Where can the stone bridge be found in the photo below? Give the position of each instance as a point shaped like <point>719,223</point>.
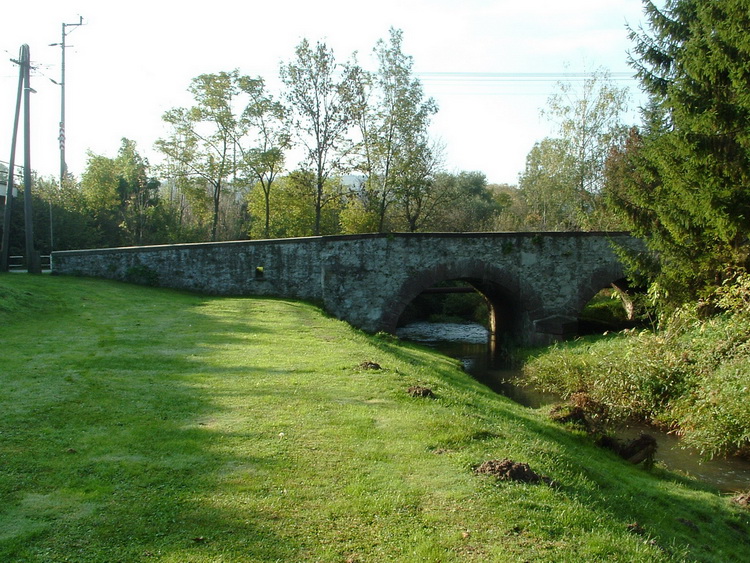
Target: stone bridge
<point>535,284</point>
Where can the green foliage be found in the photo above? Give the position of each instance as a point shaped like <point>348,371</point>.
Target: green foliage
<point>356,218</point>
<point>121,197</point>
<point>264,159</point>
<point>451,307</point>
<point>293,200</point>
<point>562,181</point>
<point>203,145</point>
<point>690,376</point>
<point>512,208</point>
<point>317,94</point>
<point>549,189</point>
<point>72,222</point>
<point>393,117</point>
<point>589,121</point>
<point>734,294</point>
<point>116,203</point>
<point>682,182</point>
<point>467,203</point>
<point>715,418</point>
<point>606,309</point>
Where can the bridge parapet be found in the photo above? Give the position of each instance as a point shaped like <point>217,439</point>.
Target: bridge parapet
<point>536,283</point>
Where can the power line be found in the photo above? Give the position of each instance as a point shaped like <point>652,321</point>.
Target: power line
<point>513,77</point>
<point>527,84</point>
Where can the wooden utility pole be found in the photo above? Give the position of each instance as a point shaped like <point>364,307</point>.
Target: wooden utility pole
<point>5,252</point>
<point>33,264</point>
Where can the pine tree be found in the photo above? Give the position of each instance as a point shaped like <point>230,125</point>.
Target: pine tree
<point>683,182</point>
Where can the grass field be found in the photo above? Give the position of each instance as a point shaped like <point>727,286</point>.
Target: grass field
<point>140,424</point>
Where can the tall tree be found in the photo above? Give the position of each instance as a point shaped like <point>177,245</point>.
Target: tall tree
<point>590,120</point>
<point>684,180</point>
<point>550,188</point>
<point>264,158</point>
<point>100,187</point>
<point>316,89</point>
<point>563,178</point>
<point>393,116</point>
<point>186,201</point>
<point>138,191</point>
<point>204,137</point>
<point>120,195</point>
<point>418,196</point>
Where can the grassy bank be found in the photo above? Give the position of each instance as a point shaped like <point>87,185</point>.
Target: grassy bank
<point>692,377</point>
<point>149,425</point>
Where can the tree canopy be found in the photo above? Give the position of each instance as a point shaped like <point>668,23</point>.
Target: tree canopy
<point>564,175</point>
<point>367,161</point>
<point>317,94</point>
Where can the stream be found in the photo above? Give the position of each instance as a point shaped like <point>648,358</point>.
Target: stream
<point>469,343</point>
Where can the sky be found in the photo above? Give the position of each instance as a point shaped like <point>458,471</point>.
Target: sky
<point>491,65</point>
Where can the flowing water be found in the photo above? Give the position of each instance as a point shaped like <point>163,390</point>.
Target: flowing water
<point>469,343</point>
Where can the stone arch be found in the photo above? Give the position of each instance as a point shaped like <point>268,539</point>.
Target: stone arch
<point>601,278</point>
<point>597,280</point>
<point>499,287</point>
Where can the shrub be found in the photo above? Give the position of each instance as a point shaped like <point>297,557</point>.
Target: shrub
<point>690,376</point>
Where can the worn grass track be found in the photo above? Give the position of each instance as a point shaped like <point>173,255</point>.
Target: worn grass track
<point>150,425</point>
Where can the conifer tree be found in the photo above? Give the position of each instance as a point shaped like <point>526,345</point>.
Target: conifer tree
<point>683,181</point>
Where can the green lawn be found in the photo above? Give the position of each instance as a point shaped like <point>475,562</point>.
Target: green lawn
<point>141,424</point>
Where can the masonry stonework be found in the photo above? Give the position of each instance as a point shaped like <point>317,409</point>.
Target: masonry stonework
<point>535,283</point>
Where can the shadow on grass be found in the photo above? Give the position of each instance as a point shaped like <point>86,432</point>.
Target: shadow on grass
<point>108,448</point>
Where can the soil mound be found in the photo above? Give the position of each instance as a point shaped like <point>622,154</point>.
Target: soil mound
<point>509,470</point>
<point>743,499</point>
<point>417,391</point>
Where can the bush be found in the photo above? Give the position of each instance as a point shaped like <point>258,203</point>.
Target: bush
<point>715,419</point>
<point>690,376</point>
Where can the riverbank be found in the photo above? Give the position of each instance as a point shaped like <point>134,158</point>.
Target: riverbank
<point>470,344</point>
<point>143,424</point>
<point>690,378</point>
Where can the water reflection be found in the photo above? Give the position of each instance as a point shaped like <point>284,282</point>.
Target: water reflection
<point>469,343</point>
<point>469,333</point>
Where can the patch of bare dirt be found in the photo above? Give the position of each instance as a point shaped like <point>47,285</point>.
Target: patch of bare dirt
<point>509,470</point>
<point>419,391</point>
<point>640,450</point>
<point>743,499</point>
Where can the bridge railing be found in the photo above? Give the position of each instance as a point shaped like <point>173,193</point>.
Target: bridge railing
<point>17,263</point>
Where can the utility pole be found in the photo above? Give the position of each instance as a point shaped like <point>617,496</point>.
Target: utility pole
<point>24,93</point>
<point>65,32</point>
<point>33,264</point>
<point>5,252</point>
